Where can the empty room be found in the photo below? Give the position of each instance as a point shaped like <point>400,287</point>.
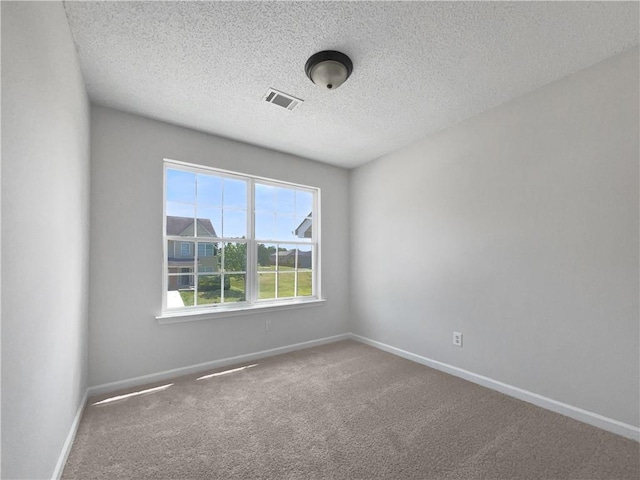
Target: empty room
<point>320,240</point>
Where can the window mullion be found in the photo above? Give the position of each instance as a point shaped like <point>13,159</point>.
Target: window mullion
<point>224,267</point>
<point>295,273</point>
<point>316,288</point>
<point>275,295</point>
<point>165,249</point>
<point>195,273</point>
<point>252,246</point>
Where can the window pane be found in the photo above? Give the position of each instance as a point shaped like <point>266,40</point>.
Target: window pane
<point>209,254</point>
<point>304,228</point>
<point>181,186</point>
<point>289,227</point>
<point>304,204</point>
<point>235,288</point>
<point>179,291</point>
<point>235,194</point>
<point>209,190</point>
<point>278,257</point>
<point>286,284</point>
<point>265,198</point>
<point>304,285</point>
<point>283,213</point>
<point>180,202</point>
<point>266,256</point>
<point>209,221</point>
<point>266,285</point>
<point>205,249</point>
<point>305,257</point>
<point>265,226</point>
<point>235,224</point>
<point>209,289</point>
<point>235,257</point>
<point>286,200</point>
<point>284,227</point>
<point>180,219</point>
<point>286,257</point>
<point>179,255</point>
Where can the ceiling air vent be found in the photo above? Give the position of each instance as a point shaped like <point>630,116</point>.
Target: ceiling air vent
<point>282,99</point>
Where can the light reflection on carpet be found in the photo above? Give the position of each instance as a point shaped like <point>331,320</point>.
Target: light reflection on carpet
<point>133,394</point>
<point>227,372</point>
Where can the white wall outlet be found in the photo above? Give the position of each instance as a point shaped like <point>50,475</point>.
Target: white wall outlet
<point>457,339</point>
<point>267,325</point>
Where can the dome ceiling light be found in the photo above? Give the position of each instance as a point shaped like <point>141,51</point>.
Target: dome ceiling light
<point>328,69</point>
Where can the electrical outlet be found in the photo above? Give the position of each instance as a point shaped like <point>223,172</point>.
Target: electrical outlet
<point>267,325</point>
<point>457,339</point>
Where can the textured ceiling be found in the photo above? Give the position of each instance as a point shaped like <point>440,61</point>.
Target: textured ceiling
<point>418,66</point>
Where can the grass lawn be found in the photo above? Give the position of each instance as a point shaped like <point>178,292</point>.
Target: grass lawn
<point>286,282</point>
<point>286,278</point>
<point>236,293</point>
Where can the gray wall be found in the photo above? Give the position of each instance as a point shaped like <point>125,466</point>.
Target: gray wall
<point>126,341</point>
<point>45,196</point>
<point>518,228</point>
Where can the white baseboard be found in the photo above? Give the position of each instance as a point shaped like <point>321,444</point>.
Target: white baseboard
<point>66,448</point>
<point>223,362</point>
<point>597,420</point>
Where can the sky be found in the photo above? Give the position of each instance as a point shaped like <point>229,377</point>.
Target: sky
<point>279,210</point>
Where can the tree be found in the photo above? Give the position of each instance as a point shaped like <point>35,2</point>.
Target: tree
<point>235,257</point>
<point>264,254</point>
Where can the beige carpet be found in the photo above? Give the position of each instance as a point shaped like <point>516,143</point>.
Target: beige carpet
<point>340,411</point>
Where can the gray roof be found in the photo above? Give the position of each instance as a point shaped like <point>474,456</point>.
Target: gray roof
<point>177,225</point>
<point>286,253</point>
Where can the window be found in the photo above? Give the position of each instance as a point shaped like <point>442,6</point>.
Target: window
<point>185,279</point>
<point>234,241</point>
<point>205,250</point>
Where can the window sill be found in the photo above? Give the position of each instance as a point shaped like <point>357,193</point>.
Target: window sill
<point>197,315</point>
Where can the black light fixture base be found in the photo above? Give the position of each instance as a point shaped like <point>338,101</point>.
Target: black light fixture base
<point>328,55</point>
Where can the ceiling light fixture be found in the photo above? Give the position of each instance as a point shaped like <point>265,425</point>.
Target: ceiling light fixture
<point>328,69</point>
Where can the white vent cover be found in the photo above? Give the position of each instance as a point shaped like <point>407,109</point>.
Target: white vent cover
<point>282,99</point>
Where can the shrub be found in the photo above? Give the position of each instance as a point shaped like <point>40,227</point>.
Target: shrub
<point>212,283</point>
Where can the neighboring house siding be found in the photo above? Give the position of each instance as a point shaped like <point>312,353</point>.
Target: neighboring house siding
<point>181,261</point>
<point>288,259</point>
<point>304,260</point>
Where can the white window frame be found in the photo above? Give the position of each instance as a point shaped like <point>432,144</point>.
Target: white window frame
<point>252,303</point>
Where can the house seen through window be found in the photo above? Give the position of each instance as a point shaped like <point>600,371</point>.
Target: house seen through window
<point>232,239</point>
